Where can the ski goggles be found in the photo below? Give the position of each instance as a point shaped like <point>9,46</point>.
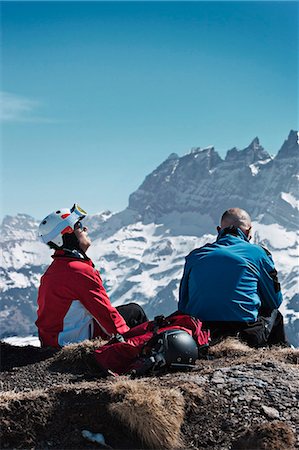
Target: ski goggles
<point>78,210</point>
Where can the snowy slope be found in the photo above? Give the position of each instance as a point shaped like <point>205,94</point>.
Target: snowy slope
<point>22,341</point>
<point>140,251</point>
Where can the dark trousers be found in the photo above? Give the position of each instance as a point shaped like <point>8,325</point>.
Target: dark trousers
<point>267,330</point>
<point>133,314</point>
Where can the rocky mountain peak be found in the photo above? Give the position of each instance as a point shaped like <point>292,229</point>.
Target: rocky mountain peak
<point>249,155</point>
<point>290,147</point>
<point>202,181</point>
<point>205,151</point>
<point>207,158</point>
<point>255,144</point>
<point>172,156</point>
<point>165,189</point>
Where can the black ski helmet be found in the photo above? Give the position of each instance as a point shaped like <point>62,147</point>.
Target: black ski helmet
<point>177,348</point>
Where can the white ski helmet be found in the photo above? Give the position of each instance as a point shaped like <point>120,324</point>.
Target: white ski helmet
<point>58,223</point>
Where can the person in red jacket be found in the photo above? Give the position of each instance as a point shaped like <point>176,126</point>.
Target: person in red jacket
<point>72,302</point>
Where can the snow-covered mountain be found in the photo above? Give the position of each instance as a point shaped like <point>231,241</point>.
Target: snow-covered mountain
<point>140,251</point>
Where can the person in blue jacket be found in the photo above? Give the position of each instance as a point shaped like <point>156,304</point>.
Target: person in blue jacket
<point>231,285</point>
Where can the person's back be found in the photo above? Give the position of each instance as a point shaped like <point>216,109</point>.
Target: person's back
<point>66,312</point>
<point>224,280</point>
<point>232,285</point>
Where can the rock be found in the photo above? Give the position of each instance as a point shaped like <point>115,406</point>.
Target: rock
<point>218,380</point>
<point>270,412</point>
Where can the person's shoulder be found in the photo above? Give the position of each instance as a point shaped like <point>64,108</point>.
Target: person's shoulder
<point>267,251</point>
<point>80,265</point>
<point>84,271</point>
<point>260,251</point>
<point>200,250</point>
<point>74,266</point>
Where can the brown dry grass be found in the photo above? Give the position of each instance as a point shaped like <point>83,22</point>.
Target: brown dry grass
<point>233,348</point>
<point>6,398</point>
<point>155,415</point>
<point>287,355</point>
<point>230,347</point>
<point>72,355</point>
<point>274,435</point>
<point>192,389</point>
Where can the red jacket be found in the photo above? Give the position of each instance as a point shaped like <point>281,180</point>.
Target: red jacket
<point>73,304</point>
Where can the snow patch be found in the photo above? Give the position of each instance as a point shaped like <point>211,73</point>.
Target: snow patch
<point>255,167</point>
<point>21,341</point>
<point>19,279</point>
<point>173,170</point>
<point>25,253</point>
<point>289,198</point>
<point>275,235</point>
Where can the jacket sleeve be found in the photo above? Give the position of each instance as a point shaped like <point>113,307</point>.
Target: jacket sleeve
<point>269,286</point>
<point>94,298</point>
<point>184,289</point>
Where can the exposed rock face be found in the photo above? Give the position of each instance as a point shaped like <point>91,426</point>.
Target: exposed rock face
<point>240,399</point>
<point>250,155</point>
<point>140,251</point>
<point>202,183</point>
<point>289,148</point>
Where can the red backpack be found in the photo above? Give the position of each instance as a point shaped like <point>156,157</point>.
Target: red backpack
<point>137,351</point>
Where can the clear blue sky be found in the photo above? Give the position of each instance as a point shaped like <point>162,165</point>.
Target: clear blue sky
<point>97,94</point>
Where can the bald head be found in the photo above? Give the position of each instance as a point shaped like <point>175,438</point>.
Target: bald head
<point>237,217</point>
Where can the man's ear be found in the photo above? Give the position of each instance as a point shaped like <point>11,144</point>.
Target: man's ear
<point>248,233</point>
<point>218,229</point>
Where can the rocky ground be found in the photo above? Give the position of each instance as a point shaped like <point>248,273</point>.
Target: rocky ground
<point>239,398</point>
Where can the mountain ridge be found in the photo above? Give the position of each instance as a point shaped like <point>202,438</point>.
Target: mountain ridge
<point>187,183</point>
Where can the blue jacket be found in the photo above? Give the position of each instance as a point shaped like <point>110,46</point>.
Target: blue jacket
<point>229,280</point>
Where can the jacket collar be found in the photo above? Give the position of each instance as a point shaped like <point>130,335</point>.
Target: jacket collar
<point>233,231</point>
<point>66,253</point>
